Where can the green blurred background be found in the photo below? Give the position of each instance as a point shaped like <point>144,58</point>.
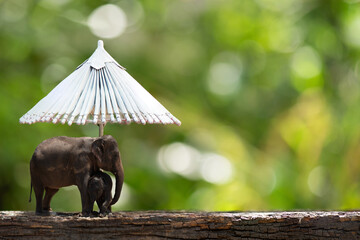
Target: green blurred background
<point>268,93</point>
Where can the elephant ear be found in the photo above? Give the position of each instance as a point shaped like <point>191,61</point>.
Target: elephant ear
<point>97,148</point>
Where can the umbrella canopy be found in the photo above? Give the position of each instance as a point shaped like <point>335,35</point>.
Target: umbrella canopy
<point>99,91</point>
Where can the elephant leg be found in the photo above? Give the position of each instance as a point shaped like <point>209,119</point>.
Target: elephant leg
<point>92,205</point>
<point>107,202</point>
<point>82,185</point>
<point>48,196</point>
<point>39,192</point>
<point>104,203</point>
<point>92,199</point>
<point>100,204</point>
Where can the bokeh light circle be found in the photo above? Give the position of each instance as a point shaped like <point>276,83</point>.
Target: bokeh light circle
<point>107,21</point>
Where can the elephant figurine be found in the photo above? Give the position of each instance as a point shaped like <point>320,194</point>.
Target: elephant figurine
<point>99,190</point>
<point>63,161</point>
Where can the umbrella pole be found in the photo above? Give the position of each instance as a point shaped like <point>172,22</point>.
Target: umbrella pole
<point>101,129</point>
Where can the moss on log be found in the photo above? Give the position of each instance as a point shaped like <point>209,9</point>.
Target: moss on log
<point>183,225</point>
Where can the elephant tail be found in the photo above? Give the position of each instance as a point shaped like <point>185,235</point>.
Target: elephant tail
<point>30,191</point>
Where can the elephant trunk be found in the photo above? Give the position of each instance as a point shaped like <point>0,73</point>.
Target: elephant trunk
<point>119,176</point>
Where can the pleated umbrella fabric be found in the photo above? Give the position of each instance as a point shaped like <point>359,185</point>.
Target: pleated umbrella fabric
<point>99,91</point>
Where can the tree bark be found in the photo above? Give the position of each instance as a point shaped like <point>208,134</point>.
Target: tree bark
<point>183,225</point>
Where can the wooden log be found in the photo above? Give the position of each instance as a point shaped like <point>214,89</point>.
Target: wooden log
<point>183,225</point>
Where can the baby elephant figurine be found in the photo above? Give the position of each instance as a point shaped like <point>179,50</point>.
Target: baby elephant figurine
<point>99,190</point>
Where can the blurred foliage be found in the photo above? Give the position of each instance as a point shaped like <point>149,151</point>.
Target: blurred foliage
<point>267,92</point>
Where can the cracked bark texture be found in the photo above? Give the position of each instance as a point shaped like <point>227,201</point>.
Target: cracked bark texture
<point>183,225</point>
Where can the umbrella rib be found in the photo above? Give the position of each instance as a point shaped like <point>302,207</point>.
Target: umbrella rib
<point>97,99</point>
<point>71,104</point>
<point>112,95</point>
<point>135,111</point>
<point>122,98</point>
<point>102,99</point>
<point>47,102</point>
<point>139,105</point>
<point>79,102</point>
<point>109,107</point>
<point>158,110</point>
<point>143,107</point>
<point>87,101</point>
<point>155,106</point>
<point>69,95</point>
<point>162,113</point>
<point>149,99</point>
<point>117,96</point>
<point>91,103</point>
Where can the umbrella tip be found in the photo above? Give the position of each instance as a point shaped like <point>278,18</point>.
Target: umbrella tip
<point>101,44</point>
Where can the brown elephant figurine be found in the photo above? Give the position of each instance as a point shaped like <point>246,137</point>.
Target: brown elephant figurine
<point>63,161</point>
<point>99,190</point>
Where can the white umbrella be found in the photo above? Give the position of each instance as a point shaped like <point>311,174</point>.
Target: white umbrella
<point>99,91</point>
